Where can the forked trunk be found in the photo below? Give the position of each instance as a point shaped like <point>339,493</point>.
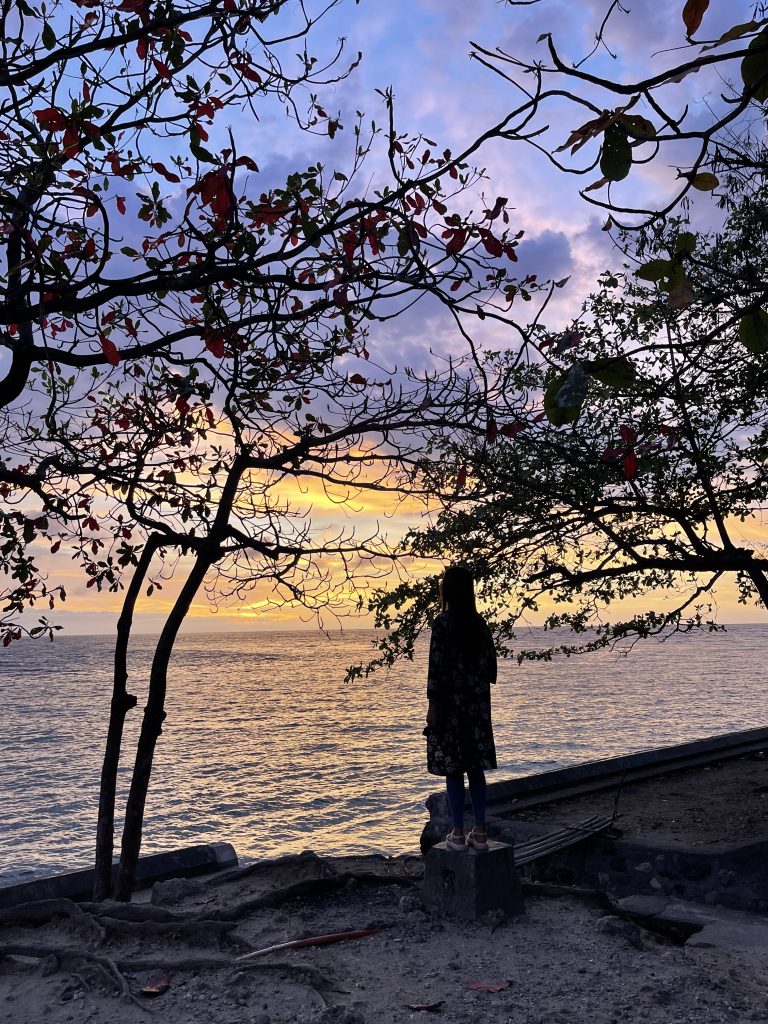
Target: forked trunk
<point>122,703</point>
<point>151,727</point>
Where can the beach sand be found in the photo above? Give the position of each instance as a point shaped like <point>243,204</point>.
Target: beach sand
<point>565,961</point>
<point>568,960</point>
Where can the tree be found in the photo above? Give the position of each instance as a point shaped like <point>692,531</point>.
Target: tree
<point>181,379</point>
<point>622,465</point>
<point>211,256</point>
<point>630,124</point>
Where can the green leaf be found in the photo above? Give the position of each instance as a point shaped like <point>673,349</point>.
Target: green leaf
<point>638,127</point>
<point>404,242</point>
<point>557,414</point>
<point>754,67</point>
<point>615,372</point>
<point>753,332</point>
<point>685,242</point>
<point>616,154</point>
<point>48,36</point>
<point>654,270</point>
<point>705,181</point>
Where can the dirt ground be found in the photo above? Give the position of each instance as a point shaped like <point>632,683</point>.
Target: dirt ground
<point>721,803</point>
<point>565,961</point>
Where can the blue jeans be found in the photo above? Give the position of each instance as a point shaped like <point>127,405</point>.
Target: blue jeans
<point>454,785</point>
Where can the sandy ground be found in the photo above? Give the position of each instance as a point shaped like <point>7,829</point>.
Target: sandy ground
<point>564,962</point>
<point>721,803</point>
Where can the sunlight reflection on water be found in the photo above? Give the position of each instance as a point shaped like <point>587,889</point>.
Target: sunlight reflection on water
<point>267,748</point>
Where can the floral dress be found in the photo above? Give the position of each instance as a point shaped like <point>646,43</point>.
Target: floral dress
<point>461,690</point>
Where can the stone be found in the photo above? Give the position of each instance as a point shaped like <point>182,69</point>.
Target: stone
<point>628,930</point>
<point>470,884</point>
<point>174,890</point>
<point>646,867</point>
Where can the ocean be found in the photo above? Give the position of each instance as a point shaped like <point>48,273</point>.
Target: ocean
<point>267,748</point>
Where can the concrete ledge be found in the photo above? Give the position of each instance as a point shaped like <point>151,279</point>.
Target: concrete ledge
<point>471,884</point>
<point>78,885</point>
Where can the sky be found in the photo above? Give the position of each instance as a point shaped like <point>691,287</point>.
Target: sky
<point>421,48</point>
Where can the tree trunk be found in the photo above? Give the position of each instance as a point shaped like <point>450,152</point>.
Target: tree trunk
<point>152,726</point>
<point>122,703</point>
<point>761,584</point>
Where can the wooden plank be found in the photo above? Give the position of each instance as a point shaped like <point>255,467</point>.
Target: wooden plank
<point>560,840</point>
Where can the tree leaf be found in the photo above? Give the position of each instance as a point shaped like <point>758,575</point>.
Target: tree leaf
<point>48,37</point>
<point>616,154</point>
<point>693,12</point>
<point>638,127</point>
<point>654,270</point>
<point>754,67</point>
<point>685,242</point>
<point>705,181</point>
<point>753,332</point>
<point>615,372</point>
<point>734,33</point>
<point>558,415</point>
<point>629,462</point>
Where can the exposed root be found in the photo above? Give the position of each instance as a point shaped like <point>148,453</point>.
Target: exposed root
<point>308,887</point>
<point>41,911</point>
<point>74,956</point>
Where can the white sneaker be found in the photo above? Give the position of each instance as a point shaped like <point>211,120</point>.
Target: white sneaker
<point>455,844</point>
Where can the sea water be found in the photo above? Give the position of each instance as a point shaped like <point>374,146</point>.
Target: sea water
<point>266,747</point>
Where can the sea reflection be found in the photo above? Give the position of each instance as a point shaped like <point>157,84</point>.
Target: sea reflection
<point>267,748</point>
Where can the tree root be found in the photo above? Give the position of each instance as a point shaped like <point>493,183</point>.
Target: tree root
<point>97,919</point>
<point>41,911</point>
<point>73,956</point>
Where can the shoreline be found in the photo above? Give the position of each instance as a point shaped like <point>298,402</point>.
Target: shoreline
<point>565,961</point>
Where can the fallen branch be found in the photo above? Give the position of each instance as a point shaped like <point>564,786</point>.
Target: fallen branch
<point>314,940</point>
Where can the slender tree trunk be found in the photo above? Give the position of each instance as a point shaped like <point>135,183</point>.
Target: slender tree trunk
<point>761,583</point>
<point>152,726</point>
<point>122,703</point>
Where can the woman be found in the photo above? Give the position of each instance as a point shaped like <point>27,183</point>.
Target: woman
<point>462,666</point>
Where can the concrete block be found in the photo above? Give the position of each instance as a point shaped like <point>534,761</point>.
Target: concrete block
<point>471,884</point>
<point>78,885</point>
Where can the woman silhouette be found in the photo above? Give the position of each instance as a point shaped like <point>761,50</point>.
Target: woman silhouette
<point>462,666</point>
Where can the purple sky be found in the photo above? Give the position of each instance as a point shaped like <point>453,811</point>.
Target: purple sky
<point>421,48</point>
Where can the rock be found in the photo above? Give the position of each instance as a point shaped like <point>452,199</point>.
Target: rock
<point>410,901</point>
<point>339,1015</point>
<point>261,1018</point>
<point>628,930</point>
<point>175,889</point>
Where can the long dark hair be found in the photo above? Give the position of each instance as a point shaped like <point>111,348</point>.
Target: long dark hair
<point>458,600</point>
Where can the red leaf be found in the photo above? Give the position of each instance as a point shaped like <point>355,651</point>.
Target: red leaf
<point>121,204</point>
<point>357,378</point>
<point>161,69</point>
<point>214,342</point>
<point>109,349</point>
<point>693,12</point>
<point>627,434</point>
<point>489,986</point>
<point>142,46</point>
<point>55,546</point>
<point>456,242</point>
<point>168,175</point>
<point>630,466</point>
<point>52,119</point>
<point>512,429</point>
<point>461,478</point>
<point>247,72</point>
<point>492,245</point>
<point>491,431</point>
<point>71,140</point>
<point>246,161</point>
